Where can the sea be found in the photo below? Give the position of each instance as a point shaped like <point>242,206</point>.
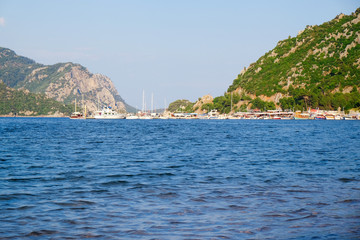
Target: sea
<point>179,179</point>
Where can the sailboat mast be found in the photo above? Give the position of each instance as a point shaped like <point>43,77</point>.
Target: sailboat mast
<point>98,108</point>
<point>143,102</point>
<point>152,102</point>
<point>75,104</point>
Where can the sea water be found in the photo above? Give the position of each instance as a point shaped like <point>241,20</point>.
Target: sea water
<point>179,179</point>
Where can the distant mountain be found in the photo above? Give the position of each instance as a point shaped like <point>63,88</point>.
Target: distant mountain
<point>318,68</point>
<point>63,82</point>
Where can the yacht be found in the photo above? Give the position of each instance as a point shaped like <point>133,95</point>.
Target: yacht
<point>132,117</point>
<point>108,113</point>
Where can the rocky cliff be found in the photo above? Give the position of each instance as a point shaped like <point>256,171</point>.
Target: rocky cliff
<point>63,82</point>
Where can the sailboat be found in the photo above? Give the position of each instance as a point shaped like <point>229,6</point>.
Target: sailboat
<point>76,114</point>
<point>163,116</point>
<point>144,114</point>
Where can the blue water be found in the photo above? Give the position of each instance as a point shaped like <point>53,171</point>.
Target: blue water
<point>179,179</point>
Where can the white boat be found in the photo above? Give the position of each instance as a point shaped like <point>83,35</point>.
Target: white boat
<point>330,117</point>
<point>132,117</point>
<point>146,117</point>
<point>213,114</point>
<point>108,113</point>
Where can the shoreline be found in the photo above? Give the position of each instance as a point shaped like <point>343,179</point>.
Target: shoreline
<point>172,118</point>
<point>40,116</point>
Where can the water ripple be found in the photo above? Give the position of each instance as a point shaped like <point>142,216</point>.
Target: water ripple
<point>63,179</point>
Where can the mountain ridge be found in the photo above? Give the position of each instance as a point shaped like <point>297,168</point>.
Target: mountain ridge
<point>63,82</point>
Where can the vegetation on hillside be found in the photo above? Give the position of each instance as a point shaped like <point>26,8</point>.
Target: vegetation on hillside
<point>21,72</point>
<point>18,102</point>
<point>14,68</point>
<point>181,105</point>
<point>320,68</point>
<point>224,104</point>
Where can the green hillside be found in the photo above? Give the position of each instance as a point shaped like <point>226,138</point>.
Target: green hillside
<point>14,68</point>
<point>23,103</point>
<point>21,72</point>
<point>319,68</point>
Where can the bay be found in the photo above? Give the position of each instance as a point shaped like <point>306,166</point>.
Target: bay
<point>179,179</point>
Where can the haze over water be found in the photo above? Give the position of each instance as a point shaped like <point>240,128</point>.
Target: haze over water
<point>179,179</point>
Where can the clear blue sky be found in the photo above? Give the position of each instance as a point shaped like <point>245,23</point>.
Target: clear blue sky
<point>173,49</point>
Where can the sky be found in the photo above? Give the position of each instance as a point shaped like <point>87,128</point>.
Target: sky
<point>171,49</point>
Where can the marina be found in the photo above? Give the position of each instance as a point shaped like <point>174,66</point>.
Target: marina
<point>312,114</point>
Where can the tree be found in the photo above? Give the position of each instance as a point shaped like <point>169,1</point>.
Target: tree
<point>262,105</point>
<point>180,105</point>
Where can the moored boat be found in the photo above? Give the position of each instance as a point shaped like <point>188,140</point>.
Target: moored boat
<point>301,116</point>
<point>132,117</point>
<point>108,113</point>
<point>330,117</point>
<point>76,114</point>
<point>349,118</point>
<point>320,117</point>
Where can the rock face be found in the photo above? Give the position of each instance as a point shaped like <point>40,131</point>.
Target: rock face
<point>74,81</point>
<point>204,100</point>
<point>63,82</point>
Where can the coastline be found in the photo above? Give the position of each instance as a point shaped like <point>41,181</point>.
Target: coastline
<point>39,116</point>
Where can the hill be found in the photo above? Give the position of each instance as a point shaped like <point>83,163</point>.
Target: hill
<point>23,103</point>
<point>63,82</point>
<point>319,68</point>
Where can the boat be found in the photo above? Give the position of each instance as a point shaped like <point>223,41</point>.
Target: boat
<point>132,117</point>
<point>213,114</point>
<point>146,117</point>
<point>347,117</point>
<point>76,114</point>
<point>108,113</point>
<point>330,117</point>
<point>301,116</point>
<point>320,117</point>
